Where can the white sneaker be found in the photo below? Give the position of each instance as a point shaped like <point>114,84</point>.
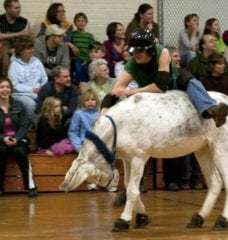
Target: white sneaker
<point>112,189</point>
<point>92,186</point>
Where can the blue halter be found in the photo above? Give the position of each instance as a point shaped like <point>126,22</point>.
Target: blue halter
<point>101,146</point>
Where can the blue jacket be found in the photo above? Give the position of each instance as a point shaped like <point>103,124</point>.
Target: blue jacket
<point>81,121</point>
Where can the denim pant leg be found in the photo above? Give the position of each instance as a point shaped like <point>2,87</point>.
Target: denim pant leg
<point>20,152</point>
<point>3,157</point>
<point>170,170</point>
<point>199,96</point>
<point>76,69</point>
<point>188,56</point>
<point>185,167</point>
<point>30,105</point>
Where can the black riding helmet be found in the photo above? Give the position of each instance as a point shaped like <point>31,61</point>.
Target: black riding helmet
<point>141,40</point>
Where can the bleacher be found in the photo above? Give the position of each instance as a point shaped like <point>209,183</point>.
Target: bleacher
<point>49,171</point>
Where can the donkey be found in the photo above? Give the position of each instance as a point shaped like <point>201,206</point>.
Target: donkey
<point>164,125</point>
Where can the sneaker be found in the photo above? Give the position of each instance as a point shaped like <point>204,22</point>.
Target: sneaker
<point>92,186</point>
<point>32,192</point>
<point>171,187</point>
<point>196,183</point>
<point>184,185</point>
<point>112,189</point>
<point>142,188</point>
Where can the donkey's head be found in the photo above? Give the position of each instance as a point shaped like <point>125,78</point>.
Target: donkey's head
<point>91,166</point>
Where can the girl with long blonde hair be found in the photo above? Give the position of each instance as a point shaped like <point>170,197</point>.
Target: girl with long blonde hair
<point>51,136</point>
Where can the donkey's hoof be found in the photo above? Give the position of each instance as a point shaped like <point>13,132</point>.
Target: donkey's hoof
<point>220,224</point>
<point>120,225</point>
<point>141,220</point>
<point>196,221</point>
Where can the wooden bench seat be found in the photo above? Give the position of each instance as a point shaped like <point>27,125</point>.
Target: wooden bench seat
<point>49,172</point>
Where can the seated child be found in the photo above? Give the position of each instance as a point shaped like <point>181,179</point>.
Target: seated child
<point>83,120</point>
<point>96,51</point>
<point>51,136</point>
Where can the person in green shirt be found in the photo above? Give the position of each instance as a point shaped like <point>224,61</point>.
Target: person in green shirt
<point>152,69</point>
<point>81,39</point>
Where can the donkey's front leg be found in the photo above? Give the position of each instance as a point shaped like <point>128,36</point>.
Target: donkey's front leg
<point>133,196</point>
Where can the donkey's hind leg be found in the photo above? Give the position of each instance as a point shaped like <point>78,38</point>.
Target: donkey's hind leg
<point>214,184</point>
<point>222,164</point>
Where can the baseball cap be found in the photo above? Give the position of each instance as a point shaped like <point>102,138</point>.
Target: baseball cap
<point>54,29</point>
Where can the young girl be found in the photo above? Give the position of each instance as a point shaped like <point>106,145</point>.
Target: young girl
<point>212,27</point>
<point>83,120</point>
<point>51,137</point>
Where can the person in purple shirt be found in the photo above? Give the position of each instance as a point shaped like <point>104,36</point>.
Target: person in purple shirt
<point>114,45</point>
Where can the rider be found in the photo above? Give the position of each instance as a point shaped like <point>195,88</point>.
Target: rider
<point>151,67</point>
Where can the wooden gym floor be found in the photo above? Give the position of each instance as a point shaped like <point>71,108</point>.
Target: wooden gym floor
<point>89,215</point>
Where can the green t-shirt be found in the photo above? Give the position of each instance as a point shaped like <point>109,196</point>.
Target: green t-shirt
<point>143,78</point>
<point>220,45</point>
<point>82,40</point>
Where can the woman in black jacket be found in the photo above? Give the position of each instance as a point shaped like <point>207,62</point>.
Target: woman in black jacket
<point>13,141</point>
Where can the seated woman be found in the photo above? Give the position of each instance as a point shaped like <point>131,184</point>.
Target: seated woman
<point>100,80</point>
<point>144,18</point>
<point>56,15</point>
<point>114,45</point>
<point>189,38</point>
<point>212,27</point>
<point>27,74</point>
<point>216,80</point>
<point>51,135</point>
<point>13,124</point>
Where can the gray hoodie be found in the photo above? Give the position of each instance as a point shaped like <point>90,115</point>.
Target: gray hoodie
<point>40,51</point>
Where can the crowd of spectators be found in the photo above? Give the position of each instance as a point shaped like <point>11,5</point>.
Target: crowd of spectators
<point>49,74</point>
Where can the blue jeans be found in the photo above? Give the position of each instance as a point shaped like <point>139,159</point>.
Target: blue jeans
<point>181,169</point>
<point>176,169</point>
<point>199,96</point>
<point>187,57</point>
<point>29,104</point>
<point>76,66</point>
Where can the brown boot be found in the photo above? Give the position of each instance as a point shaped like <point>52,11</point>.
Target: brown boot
<point>218,113</point>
